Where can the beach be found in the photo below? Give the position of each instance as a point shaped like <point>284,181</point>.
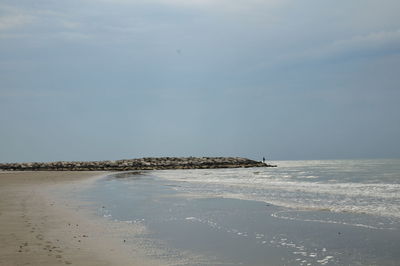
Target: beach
<point>36,229</point>
<point>301,213</point>
<point>332,212</point>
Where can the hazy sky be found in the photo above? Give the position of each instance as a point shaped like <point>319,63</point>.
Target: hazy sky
<point>284,79</point>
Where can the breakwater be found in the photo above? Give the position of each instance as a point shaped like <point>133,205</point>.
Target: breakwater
<point>137,164</point>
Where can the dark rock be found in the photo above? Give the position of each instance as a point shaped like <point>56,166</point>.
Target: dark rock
<point>138,164</point>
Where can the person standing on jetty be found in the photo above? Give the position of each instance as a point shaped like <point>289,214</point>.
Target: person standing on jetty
<point>263,160</point>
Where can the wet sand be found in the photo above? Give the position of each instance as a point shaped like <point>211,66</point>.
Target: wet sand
<point>36,229</point>
<point>206,229</point>
<point>80,218</point>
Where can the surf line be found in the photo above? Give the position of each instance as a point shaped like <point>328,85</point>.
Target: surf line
<point>279,216</point>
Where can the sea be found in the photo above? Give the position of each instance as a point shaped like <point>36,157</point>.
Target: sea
<point>313,212</point>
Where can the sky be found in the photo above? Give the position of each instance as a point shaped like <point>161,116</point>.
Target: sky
<point>114,79</point>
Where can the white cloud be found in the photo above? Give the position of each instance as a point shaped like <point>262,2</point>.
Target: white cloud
<point>73,36</point>
<point>71,24</point>
<point>9,36</point>
<point>358,46</point>
<point>226,6</point>
<point>22,22</point>
<point>361,44</point>
<point>13,21</point>
<point>205,5</point>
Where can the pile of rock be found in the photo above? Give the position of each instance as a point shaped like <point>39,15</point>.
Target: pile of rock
<point>138,164</point>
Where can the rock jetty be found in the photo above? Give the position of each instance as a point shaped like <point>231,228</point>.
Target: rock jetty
<point>137,164</point>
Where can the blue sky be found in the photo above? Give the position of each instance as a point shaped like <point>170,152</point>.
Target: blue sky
<point>284,79</point>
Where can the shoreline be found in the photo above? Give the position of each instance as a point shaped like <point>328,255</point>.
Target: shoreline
<point>220,229</point>
<point>40,228</point>
<point>109,218</point>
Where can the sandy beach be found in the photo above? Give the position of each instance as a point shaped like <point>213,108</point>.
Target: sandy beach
<point>36,229</point>
<point>203,217</point>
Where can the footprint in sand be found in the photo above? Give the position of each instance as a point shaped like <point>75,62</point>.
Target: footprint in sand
<point>39,236</point>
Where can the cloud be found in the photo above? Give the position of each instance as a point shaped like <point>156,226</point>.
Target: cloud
<point>73,36</point>
<point>357,47</point>
<point>72,25</point>
<point>361,45</point>
<point>224,6</point>
<point>197,2</point>
<point>13,21</point>
<point>40,23</point>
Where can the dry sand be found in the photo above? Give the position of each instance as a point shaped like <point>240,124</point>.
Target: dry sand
<point>38,229</point>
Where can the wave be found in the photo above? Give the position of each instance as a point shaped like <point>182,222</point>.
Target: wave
<point>308,192</point>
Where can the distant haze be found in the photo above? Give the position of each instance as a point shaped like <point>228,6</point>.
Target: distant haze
<point>284,79</point>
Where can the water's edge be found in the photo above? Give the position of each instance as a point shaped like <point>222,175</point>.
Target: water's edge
<point>188,222</point>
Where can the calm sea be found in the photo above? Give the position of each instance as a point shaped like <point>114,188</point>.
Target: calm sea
<point>329,212</point>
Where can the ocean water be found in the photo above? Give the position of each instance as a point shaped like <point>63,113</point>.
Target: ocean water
<point>330,212</point>
<point>356,186</point>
